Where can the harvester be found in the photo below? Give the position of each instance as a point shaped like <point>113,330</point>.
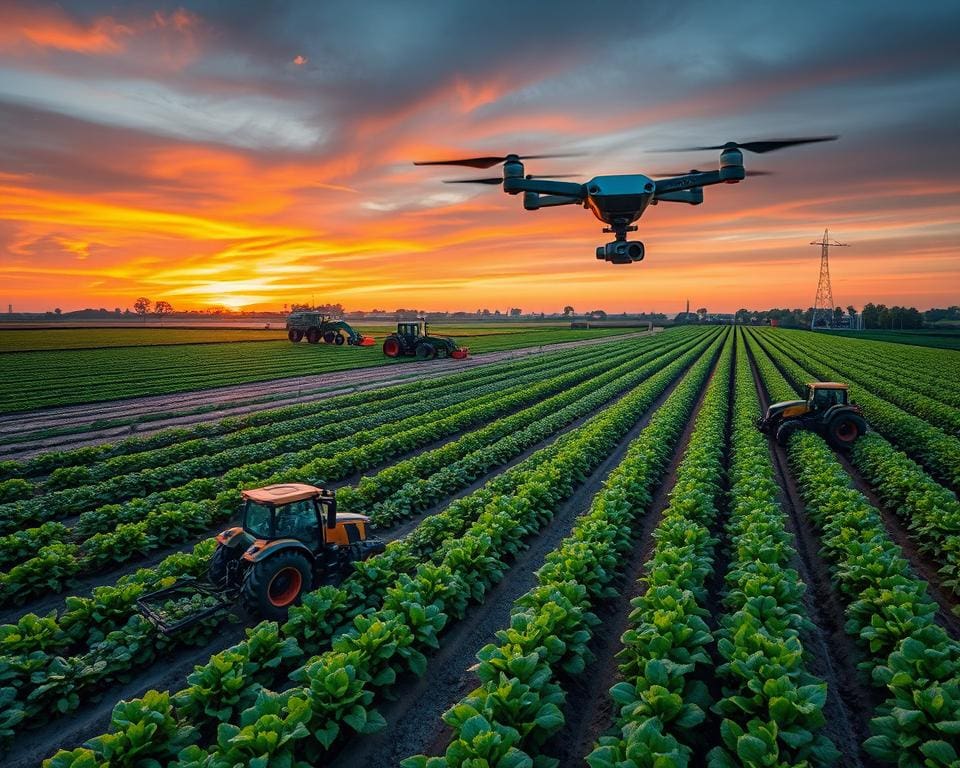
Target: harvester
<point>824,409</point>
<point>316,327</point>
<point>292,540</point>
<point>412,339</point>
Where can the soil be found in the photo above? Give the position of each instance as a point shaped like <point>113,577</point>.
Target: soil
<point>90,422</point>
<point>831,653</point>
<point>414,724</point>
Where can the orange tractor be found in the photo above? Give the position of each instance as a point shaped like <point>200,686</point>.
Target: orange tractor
<point>292,540</point>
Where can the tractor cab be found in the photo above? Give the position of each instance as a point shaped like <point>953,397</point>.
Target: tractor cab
<point>412,330</point>
<point>821,396</point>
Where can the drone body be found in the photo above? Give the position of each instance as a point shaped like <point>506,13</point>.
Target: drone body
<point>619,200</point>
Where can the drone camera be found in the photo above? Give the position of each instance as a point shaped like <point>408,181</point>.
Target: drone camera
<point>621,252</point>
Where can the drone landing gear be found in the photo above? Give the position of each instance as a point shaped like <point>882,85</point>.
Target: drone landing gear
<point>620,251</point>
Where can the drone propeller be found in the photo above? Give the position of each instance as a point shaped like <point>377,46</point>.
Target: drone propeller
<point>486,162</point>
<point>499,179</point>
<point>759,147</point>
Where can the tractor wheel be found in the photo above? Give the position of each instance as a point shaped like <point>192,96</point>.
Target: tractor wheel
<point>328,337</point>
<point>294,334</point>
<point>218,570</point>
<point>339,339</point>
<point>786,429</point>
<point>441,353</point>
<point>313,335</point>
<point>391,347</point>
<point>271,586</point>
<point>426,351</point>
<point>844,429</point>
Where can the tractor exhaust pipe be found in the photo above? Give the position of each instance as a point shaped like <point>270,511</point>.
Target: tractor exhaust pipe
<point>329,498</point>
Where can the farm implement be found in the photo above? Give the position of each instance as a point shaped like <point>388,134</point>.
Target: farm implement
<point>316,327</point>
<point>291,540</point>
<point>412,339</point>
<point>824,410</point>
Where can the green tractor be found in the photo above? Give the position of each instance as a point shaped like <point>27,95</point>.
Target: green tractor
<point>413,340</point>
<point>316,327</point>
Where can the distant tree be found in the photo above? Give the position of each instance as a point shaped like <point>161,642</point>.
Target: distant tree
<point>116,310</point>
<point>485,312</point>
<point>567,311</point>
<point>57,311</point>
<point>702,313</point>
<point>141,306</point>
<point>851,311</point>
<point>837,315</point>
<point>516,312</point>
<point>162,308</point>
<point>597,314</point>
<point>742,315</point>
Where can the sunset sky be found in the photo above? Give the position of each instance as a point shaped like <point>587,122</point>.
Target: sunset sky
<point>252,154</point>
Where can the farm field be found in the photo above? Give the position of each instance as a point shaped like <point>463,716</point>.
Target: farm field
<point>58,377</point>
<point>593,558</point>
<point>946,338</point>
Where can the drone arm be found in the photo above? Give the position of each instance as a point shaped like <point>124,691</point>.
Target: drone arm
<point>692,196</point>
<point>532,201</point>
<point>690,181</point>
<point>566,189</point>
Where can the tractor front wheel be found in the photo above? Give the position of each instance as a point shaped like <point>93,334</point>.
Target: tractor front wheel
<point>294,334</point>
<point>425,351</point>
<point>313,335</point>
<point>339,339</point>
<point>271,586</point>
<point>219,569</point>
<point>844,429</point>
<point>786,429</point>
<point>328,337</point>
<point>391,347</point>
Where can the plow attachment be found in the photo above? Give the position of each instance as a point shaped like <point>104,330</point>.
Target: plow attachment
<point>366,341</point>
<point>184,604</point>
<point>460,353</point>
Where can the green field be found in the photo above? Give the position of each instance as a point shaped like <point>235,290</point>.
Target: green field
<point>35,379</point>
<point>942,339</point>
<point>24,340</point>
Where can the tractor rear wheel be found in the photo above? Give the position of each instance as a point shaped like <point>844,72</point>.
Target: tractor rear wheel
<point>425,351</point>
<point>339,339</point>
<point>294,334</point>
<point>271,586</point>
<point>391,347</point>
<point>844,429</point>
<point>313,335</point>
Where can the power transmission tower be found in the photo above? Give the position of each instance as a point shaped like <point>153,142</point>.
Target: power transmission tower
<point>823,306</point>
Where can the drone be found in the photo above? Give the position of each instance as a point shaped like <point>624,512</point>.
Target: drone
<point>619,200</point>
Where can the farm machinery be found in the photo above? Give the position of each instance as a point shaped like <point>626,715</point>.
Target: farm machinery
<point>292,539</point>
<point>316,327</point>
<point>412,339</point>
<point>824,409</point>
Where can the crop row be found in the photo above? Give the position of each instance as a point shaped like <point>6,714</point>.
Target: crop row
<point>889,612</point>
<point>337,687</point>
<point>772,706</point>
<point>57,563</point>
<point>662,698</point>
<point>937,451</point>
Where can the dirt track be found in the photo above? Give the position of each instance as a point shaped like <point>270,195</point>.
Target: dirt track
<point>90,424</point>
